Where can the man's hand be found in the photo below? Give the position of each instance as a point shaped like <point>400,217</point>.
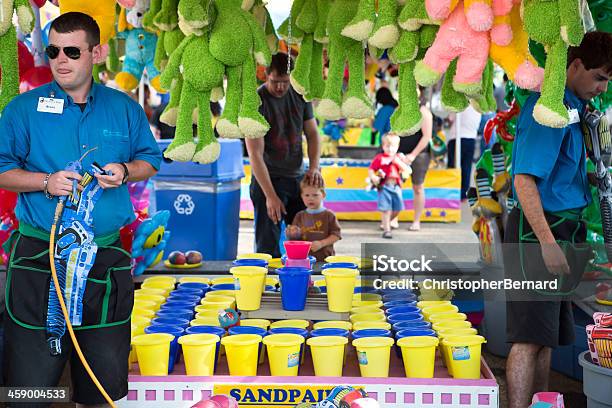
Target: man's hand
<point>113,181</point>
<point>554,259</point>
<point>60,183</point>
<point>316,245</point>
<point>313,177</point>
<point>276,208</point>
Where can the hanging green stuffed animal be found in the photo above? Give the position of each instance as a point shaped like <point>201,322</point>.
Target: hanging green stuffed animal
<point>9,62</point>
<point>237,41</point>
<point>193,16</point>
<point>261,14</point>
<point>412,45</point>
<point>355,103</point>
<point>379,27</point>
<point>556,24</point>
<point>201,73</point>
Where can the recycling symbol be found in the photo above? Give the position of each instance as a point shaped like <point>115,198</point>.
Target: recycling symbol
<point>184,205</point>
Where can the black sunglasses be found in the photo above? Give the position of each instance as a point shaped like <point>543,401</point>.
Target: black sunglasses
<point>53,51</point>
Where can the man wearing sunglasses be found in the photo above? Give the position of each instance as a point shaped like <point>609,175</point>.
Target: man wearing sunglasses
<point>41,131</point>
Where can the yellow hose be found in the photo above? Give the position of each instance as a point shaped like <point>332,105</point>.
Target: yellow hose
<point>60,296</point>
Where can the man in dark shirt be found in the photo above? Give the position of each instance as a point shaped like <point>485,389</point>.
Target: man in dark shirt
<point>277,158</point>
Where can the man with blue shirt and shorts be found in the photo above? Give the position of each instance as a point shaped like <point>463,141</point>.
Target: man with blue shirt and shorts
<point>39,138</point>
<point>544,232</point>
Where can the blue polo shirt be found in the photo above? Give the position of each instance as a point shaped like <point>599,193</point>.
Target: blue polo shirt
<point>556,158</point>
<point>45,142</point>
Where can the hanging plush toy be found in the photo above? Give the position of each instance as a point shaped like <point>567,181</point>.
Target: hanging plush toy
<point>201,72</point>
<point>455,39</point>
<point>139,48</point>
<point>307,77</point>
<point>510,46</point>
<point>103,11</point>
<point>261,14</point>
<point>412,45</point>
<point>237,41</point>
<point>8,45</point>
<point>355,103</point>
<point>556,24</point>
<point>150,239</point>
<point>478,13</point>
<point>378,27</point>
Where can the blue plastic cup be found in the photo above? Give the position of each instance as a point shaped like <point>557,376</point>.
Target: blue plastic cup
<point>270,288</point>
<point>328,331</point>
<point>183,296</point>
<point>170,321</point>
<point>411,324</point>
<point>251,262</point>
<point>189,291</point>
<point>396,303</point>
<point>178,304</point>
<point>223,286</point>
<point>411,333</point>
<point>403,295</point>
<point>364,289</point>
<point>348,265</point>
<point>402,317</point>
<point>174,346</point>
<point>176,313</point>
<point>251,330</point>
<point>293,330</point>
<point>402,309</point>
<point>294,287</point>
<point>358,334</point>
<point>219,331</point>
<point>195,285</point>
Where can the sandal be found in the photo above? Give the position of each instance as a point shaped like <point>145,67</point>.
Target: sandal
<point>387,235</point>
<point>414,227</point>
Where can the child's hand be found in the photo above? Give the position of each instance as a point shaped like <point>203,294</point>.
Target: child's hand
<point>316,245</point>
<point>375,179</point>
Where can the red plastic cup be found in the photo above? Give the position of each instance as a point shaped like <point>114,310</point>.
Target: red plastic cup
<point>297,249</point>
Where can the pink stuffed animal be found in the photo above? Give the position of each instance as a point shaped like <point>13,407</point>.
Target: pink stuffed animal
<point>478,13</point>
<point>456,39</point>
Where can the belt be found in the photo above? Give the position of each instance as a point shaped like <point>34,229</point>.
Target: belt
<point>33,232</point>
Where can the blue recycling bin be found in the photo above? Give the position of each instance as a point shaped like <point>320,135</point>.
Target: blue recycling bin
<point>204,202</point>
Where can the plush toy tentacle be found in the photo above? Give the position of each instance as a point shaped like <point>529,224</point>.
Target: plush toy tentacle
<point>208,149</point>
<point>10,67</point>
<point>356,103</point>
<point>300,77</point>
<point>172,70</point>
<point>360,27</point>
<point>161,57</point>
<point>385,33</point>
<point>307,17</point>
<point>406,120</point>
<point>169,115</point>
<point>549,110</point>
<point>183,147</point>
<point>227,125</point>
<point>485,102</point>
<point>260,45</point>
<point>252,124</point>
<point>329,107</point>
<point>572,30</point>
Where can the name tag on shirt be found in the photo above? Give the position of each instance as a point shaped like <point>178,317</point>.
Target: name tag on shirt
<point>50,105</point>
<point>574,117</point>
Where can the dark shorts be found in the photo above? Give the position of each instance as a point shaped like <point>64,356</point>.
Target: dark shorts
<point>541,318</point>
<point>104,336</point>
<point>420,165</point>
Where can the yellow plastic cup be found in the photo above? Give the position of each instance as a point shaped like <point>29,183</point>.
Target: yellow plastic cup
<point>327,355</point>
<point>252,279</point>
<point>241,351</point>
<point>141,321</point>
<point>333,324</point>
<point>229,292</point>
<point>365,309</point>
<point>361,325</point>
<point>319,282</point>
<point>439,317</point>
<point>153,351</point>
<point>367,299</point>
<point>271,280</point>
<point>170,280</point>
<point>463,331</point>
<point>145,304</point>
<point>284,353</point>
<point>463,353</point>
<point>163,285</point>
<point>199,353</point>
<point>451,324</point>
<point>262,323</point>
<point>419,355</point>
<point>223,280</point>
<point>296,323</point>
<point>215,304</point>
<point>157,299</point>
<point>428,303</point>
<point>207,313</point>
<point>343,258</point>
<point>367,317</point>
<point>205,321</point>
<point>214,297</point>
<point>197,279</point>
<point>340,284</point>
<point>256,255</point>
<point>275,263</point>
<point>150,291</point>
<point>432,310</point>
<point>143,312</point>
<point>367,303</point>
<point>373,354</point>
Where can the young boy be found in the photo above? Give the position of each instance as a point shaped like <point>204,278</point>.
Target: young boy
<point>316,223</point>
<point>390,201</point>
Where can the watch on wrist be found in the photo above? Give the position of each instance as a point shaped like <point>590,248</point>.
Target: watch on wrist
<point>46,186</point>
<point>126,173</point>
